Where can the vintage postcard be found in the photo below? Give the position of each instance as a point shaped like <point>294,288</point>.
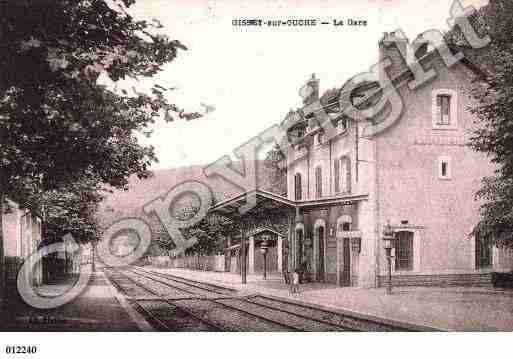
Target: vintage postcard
<point>254,166</point>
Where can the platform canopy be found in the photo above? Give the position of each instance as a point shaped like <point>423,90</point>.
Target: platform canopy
<point>271,201</point>
<point>265,201</point>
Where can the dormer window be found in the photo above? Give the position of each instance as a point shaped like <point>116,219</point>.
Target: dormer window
<point>342,125</point>
<point>445,107</point>
<point>297,132</point>
<point>319,138</point>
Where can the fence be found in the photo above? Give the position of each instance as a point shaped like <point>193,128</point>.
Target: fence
<point>207,263</point>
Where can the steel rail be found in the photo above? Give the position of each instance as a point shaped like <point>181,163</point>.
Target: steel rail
<point>215,300</point>
<point>173,304</point>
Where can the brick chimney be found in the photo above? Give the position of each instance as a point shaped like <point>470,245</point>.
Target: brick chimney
<point>394,46</point>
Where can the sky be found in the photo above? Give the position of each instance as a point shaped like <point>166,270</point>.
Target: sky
<point>252,75</point>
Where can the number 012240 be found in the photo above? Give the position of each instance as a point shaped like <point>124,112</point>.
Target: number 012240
<point>20,349</point>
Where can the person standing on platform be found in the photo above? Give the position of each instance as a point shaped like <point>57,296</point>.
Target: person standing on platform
<point>294,287</point>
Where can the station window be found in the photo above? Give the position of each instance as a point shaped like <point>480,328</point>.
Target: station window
<point>444,168</point>
<point>445,109</point>
<point>403,245</point>
<point>342,125</point>
<point>320,138</point>
<point>443,105</point>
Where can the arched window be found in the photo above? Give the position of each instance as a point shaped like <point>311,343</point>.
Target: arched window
<point>345,174</point>
<point>318,182</point>
<point>297,187</point>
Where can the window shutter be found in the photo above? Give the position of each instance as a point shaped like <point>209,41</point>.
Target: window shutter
<point>318,180</point>
<point>345,164</point>
<point>446,110</point>
<point>337,175</point>
<point>438,110</point>
<point>348,174</point>
<point>446,104</point>
<point>297,187</point>
<point>343,175</point>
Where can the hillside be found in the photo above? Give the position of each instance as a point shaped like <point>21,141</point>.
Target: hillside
<point>130,202</point>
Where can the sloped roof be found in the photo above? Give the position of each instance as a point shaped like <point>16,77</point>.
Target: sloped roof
<point>293,117</point>
<point>121,203</point>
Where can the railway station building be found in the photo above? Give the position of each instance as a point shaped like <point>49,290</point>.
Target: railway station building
<point>418,174</point>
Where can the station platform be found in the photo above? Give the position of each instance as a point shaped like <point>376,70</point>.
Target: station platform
<point>98,308</point>
<point>448,309</point>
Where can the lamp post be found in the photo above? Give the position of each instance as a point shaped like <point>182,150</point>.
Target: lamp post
<point>264,245</point>
<point>388,236</point>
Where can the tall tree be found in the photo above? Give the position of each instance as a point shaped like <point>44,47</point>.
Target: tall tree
<point>494,113</point>
<point>59,124</point>
<point>275,171</point>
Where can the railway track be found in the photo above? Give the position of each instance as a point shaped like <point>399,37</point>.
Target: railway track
<point>219,316</point>
<point>161,313</point>
<point>224,309</point>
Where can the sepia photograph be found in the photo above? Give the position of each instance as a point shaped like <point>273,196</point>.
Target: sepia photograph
<point>273,166</point>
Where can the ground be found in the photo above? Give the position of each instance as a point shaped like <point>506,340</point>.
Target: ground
<point>450,308</point>
<point>102,307</point>
<point>96,309</point>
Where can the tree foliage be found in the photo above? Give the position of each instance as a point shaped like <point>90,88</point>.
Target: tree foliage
<point>276,170</point>
<point>63,133</point>
<point>211,232</point>
<point>494,113</point>
<point>71,210</point>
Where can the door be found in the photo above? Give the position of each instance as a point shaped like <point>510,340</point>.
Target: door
<point>345,276</point>
<point>320,254</point>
